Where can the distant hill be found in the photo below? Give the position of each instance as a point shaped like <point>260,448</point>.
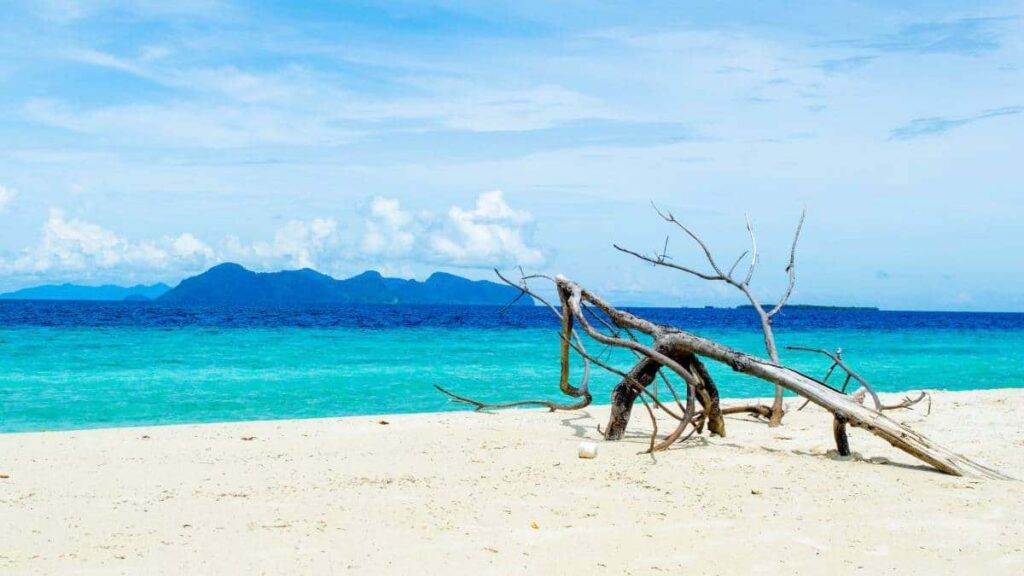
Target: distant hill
<point>233,284</point>
<point>76,292</point>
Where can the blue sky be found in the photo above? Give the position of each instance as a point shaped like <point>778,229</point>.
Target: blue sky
<point>144,141</point>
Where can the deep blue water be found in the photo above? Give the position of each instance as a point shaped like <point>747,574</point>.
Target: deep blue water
<point>157,315</point>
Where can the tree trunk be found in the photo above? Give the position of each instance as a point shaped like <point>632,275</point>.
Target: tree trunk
<point>707,395</point>
<point>778,409</point>
<point>839,431</point>
<point>643,373</point>
<point>841,405</point>
<point>624,395</point>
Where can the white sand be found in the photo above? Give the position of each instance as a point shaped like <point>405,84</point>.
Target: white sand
<point>459,493</point>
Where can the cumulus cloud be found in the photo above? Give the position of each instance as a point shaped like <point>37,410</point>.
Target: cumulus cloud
<point>389,229</point>
<point>7,196</point>
<point>491,233</point>
<point>298,244</point>
<point>73,245</point>
<point>68,244</point>
<point>188,246</point>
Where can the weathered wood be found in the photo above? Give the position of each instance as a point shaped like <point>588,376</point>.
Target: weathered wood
<point>624,396</point>
<point>670,341</point>
<point>643,374</point>
<point>680,352</point>
<point>707,395</point>
<point>777,410</point>
<point>839,432</point>
<point>896,434</point>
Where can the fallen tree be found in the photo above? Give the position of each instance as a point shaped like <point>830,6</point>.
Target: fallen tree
<point>777,410</point>
<point>659,348</point>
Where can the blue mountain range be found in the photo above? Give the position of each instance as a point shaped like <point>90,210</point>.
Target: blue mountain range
<point>233,284</point>
<point>76,292</point>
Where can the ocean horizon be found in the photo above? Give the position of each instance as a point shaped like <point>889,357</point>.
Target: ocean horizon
<point>81,365</point>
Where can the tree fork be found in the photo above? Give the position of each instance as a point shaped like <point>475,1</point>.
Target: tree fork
<point>839,404</point>
<point>644,372</point>
<point>624,396</point>
<point>671,342</point>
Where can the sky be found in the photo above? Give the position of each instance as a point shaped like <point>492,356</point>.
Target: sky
<point>146,141</point>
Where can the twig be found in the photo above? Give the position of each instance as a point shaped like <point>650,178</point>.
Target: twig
<point>837,360</point>
<point>480,406</point>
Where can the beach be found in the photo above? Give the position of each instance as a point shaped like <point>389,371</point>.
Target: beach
<point>505,493</point>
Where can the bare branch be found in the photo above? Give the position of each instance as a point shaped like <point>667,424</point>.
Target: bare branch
<point>737,263</point>
<point>898,435</point>
<point>639,387</point>
<point>681,351</point>
<point>909,402</point>
<point>480,406</point>
<point>668,217</point>
<point>828,373</point>
<point>791,267</point>
<point>568,334</point>
<point>566,327</point>
<point>837,360</point>
<point>660,261</point>
<point>755,409</point>
<point>654,424</point>
<point>753,252</point>
<point>852,412</point>
<point>621,343</point>
<point>743,285</point>
<point>685,421</point>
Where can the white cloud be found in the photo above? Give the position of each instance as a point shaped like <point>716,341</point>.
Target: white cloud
<point>492,233</point>
<point>88,249</point>
<point>75,244</point>
<point>231,106</point>
<point>389,229</point>
<point>297,245</point>
<point>105,60</point>
<point>68,244</point>
<point>188,246</point>
<point>7,196</point>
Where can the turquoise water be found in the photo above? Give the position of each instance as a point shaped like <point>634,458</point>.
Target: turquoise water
<point>65,377</point>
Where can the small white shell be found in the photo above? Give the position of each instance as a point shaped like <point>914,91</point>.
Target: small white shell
<point>588,449</point>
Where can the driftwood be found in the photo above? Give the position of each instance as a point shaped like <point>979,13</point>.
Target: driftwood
<point>777,410</point>
<point>839,423</point>
<point>670,352</point>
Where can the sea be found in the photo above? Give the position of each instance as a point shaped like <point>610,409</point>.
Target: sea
<point>80,365</point>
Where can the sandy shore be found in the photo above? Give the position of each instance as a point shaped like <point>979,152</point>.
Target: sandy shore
<point>463,493</point>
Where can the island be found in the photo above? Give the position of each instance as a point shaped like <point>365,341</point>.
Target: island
<point>107,292</point>
<point>233,284</point>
